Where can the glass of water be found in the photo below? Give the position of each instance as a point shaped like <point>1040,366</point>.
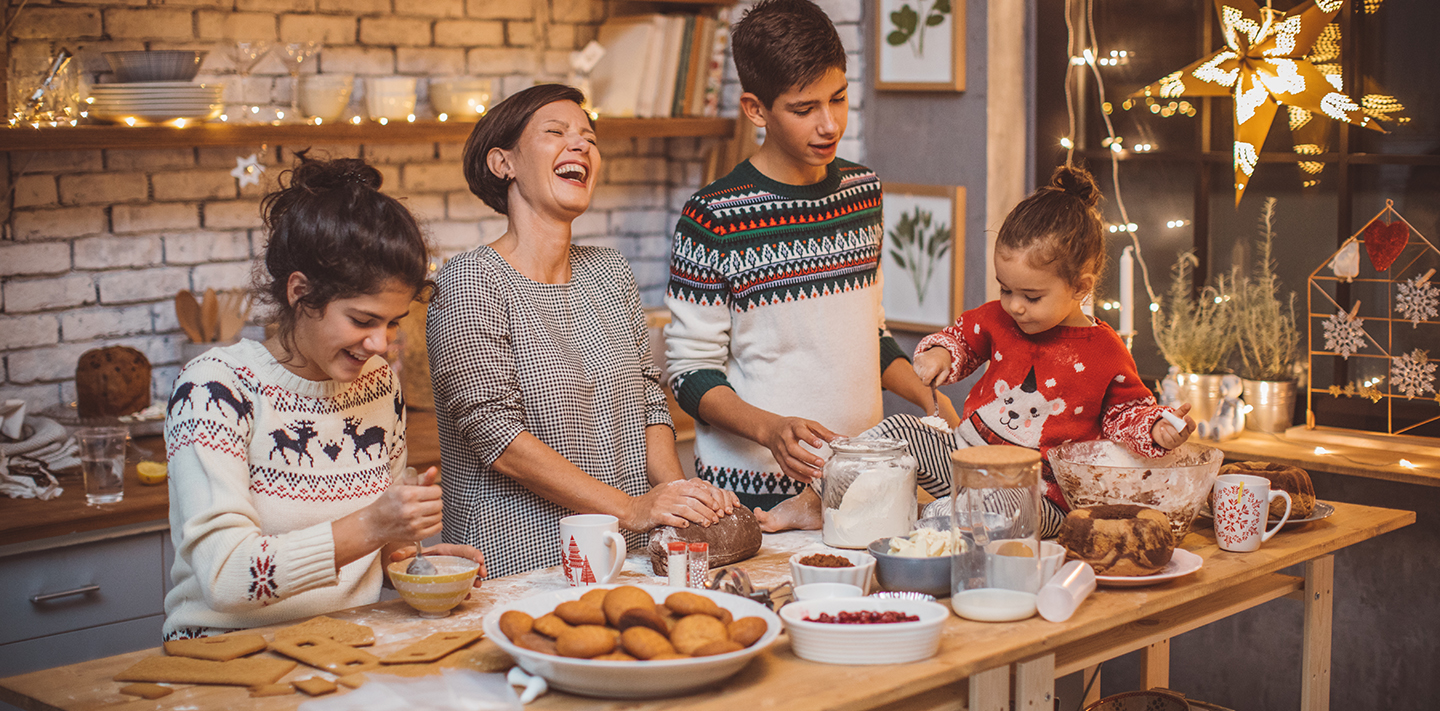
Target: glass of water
<point>102,457</point>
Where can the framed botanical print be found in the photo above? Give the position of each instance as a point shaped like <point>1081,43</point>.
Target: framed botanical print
<point>920,45</point>
<point>923,259</point>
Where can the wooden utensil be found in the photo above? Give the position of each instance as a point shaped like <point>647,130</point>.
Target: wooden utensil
<point>210,316</point>
<point>187,312</point>
<point>234,310</point>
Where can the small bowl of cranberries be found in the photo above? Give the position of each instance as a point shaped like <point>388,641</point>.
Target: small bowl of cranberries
<point>866,630</point>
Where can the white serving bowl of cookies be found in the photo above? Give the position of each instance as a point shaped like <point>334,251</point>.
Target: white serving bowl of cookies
<point>855,644</point>
<point>631,679</point>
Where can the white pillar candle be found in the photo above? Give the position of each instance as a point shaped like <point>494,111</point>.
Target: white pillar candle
<point>1127,290</point>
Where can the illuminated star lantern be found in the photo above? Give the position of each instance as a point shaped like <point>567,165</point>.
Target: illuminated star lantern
<point>1264,64</point>
<point>248,169</point>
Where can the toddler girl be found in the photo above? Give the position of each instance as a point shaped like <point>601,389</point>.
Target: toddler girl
<point>1055,374</point>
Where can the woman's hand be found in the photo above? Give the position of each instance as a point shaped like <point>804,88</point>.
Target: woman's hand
<point>933,366</point>
<point>784,436</point>
<point>1165,434</point>
<point>678,503</point>
<point>459,551</point>
<point>408,511</point>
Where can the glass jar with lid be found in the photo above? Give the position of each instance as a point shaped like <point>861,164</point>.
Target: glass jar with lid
<point>995,508</point>
<point>868,491</point>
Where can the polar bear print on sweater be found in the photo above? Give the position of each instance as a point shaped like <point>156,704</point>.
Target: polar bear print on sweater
<point>1017,414</point>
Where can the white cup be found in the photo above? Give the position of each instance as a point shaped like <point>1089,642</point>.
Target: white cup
<point>390,98</point>
<point>1241,508</point>
<point>1052,556</point>
<point>592,550</point>
<point>1065,591</point>
<point>1011,572</point>
<point>325,95</point>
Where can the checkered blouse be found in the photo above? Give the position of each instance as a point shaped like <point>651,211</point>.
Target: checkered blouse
<point>568,363</point>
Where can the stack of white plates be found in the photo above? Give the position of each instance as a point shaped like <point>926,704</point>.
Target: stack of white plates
<point>156,101</point>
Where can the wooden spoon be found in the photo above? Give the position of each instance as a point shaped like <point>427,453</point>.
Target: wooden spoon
<point>210,316</point>
<point>187,312</point>
<point>233,312</point>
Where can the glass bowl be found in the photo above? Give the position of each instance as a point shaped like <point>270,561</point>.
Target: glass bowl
<point>1102,472</point>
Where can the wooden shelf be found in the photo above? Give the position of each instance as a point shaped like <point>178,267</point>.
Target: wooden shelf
<point>219,134</point>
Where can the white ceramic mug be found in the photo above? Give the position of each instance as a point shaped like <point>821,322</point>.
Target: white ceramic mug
<point>1241,507</point>
<point>591,548</point>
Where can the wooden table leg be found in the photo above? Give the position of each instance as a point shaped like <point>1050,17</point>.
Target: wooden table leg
<point>1315,660</point>
<point>990,689</point>
<point>1035,684</point>
<point>1090,677</point>
<point>1155,665</point>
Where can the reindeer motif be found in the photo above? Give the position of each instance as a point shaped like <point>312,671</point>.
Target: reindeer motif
<point>364,440</point>
<point>180,397</point>
<point>300,444</point>
<point>220,393</point>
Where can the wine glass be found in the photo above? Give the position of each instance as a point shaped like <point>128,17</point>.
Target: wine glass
<point>295,54</point>
<point>245,54</point>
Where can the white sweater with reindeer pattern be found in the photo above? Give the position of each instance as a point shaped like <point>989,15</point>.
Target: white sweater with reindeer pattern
<point>261,462</point>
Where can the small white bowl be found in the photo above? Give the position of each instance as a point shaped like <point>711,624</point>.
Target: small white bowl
<point>858,574</point>
<point>390,98</point>
<point>885,643</point>
<point>826,591</point>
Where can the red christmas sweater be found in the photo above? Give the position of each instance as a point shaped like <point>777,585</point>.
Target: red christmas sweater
<point>1070,383</point>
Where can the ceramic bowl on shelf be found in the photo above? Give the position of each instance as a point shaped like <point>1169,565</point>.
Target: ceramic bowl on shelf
<point>858,573</point>
<point>460,97</point>
<point>1102,472</point>
<point>155,65</point>
<point>325,96</point>
<point>391,98</point>
<point>880,643</point>
<point>433,596</point>
<point>631,679</point>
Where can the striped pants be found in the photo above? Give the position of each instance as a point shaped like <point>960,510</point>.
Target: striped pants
<point>931,449</point>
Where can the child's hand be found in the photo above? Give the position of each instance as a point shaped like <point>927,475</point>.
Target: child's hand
<point>933,366</point>
<point>1165,434</point>
<point>784,437</point>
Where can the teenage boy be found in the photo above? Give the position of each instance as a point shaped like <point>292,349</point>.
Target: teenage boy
<point>777,338</point>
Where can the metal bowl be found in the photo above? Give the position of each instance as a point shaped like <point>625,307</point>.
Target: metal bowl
<point>904,573</point>
<point>156,65</point>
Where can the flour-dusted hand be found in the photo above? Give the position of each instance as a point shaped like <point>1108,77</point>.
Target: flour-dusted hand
<point>678,504</point>
<point>784,436</point>
<point>1165,433</point>
<point>933,366</point>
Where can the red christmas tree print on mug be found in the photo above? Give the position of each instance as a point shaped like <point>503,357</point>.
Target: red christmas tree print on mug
<point>573,561</point>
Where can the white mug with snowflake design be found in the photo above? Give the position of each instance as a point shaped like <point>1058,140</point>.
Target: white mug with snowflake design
<point>1241,507</point>
<point>592,550</point>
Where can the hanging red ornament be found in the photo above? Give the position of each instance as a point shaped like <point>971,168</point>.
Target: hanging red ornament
<point>1384,242</point>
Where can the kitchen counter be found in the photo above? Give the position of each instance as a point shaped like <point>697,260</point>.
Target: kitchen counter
<point>974,659</point>
<point>1368,462</point>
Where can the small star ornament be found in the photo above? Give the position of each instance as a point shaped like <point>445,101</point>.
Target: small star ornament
<point>248,169</point>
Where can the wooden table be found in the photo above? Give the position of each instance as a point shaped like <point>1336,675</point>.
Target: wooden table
<point>977,667</point>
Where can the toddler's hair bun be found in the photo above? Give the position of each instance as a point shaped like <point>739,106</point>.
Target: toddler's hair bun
<point>322,175</point>
<point>1078,182</point>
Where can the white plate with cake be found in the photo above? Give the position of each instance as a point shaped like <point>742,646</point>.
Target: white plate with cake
<point>1182,563</point>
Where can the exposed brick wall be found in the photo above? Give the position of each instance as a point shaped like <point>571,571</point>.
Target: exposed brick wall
<point>96,243</point>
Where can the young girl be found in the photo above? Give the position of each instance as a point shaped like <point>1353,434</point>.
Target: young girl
<point>283,453</point>
<point>1055,374</point>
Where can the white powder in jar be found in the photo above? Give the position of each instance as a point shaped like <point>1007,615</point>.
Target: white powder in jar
<point>880,502</point>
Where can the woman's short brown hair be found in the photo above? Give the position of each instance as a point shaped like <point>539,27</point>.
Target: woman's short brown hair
<point>781,45</point>
<point>501,127</point>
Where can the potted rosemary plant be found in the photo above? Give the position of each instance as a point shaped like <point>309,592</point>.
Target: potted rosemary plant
<point>1196,336</point>
<point>1267,338</point>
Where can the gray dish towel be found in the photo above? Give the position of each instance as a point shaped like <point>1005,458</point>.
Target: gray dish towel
<point>44,442</point>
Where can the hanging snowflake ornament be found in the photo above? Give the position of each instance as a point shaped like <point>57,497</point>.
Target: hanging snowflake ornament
<point>1412,373</point>
<point>1345,333</point>
<point>1418,299</point>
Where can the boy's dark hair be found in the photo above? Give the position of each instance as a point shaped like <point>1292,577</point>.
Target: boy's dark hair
<point>501,127</point>
<point>1061,224</point>
<point>332,224</point>
<point>784,44</point>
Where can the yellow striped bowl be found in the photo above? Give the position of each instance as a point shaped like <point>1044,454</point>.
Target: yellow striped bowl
<point>434,595</point>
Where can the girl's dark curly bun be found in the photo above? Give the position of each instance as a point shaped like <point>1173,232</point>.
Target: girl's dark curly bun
<point>1078,182</point>
<point>1059,226</point>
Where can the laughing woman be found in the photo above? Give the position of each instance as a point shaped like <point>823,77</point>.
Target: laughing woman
<point>548,399</point>
<point>284,454</point>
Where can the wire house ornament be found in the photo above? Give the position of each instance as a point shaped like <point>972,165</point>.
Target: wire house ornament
<point>1373,343</point>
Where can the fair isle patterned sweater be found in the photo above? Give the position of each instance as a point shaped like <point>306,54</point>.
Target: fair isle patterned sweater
<point>261,462</point>
<point>775,292</point>
<point>1070,383</point>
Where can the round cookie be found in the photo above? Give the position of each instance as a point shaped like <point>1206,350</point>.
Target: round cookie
<point>1118,539</point>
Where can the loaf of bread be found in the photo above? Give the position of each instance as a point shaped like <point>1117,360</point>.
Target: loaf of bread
<point>1291,480</point>
<point>735,538</point>
<point>1118,539</point>
<point>111,382</point>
